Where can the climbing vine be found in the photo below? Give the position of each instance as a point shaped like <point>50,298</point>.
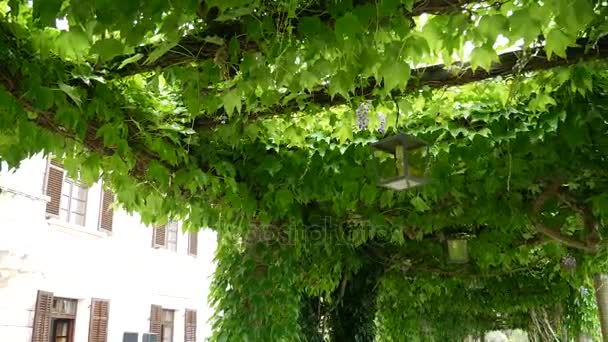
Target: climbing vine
<point>254,118</point>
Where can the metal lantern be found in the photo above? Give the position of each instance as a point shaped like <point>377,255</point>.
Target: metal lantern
<point>458,252</point>
<point>401,161</point>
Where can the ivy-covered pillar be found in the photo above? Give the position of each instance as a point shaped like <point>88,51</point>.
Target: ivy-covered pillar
<point>254,291</point>
<point>311,319</point>
<point>353,317</point>
<point>600,282</point>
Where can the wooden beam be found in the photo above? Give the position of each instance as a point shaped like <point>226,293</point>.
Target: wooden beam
<point>440,76</point>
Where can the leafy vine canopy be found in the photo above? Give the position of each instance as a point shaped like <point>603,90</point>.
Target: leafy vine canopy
<point>255,118</point>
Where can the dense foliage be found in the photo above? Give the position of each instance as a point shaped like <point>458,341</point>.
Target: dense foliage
<point>255,118</point>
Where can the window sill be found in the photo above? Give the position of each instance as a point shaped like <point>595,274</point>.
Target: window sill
<point>164,250</point>
<point>74,229</point>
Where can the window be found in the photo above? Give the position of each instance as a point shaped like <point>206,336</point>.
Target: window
<point>62,330</point>
<point>63,317</point>
<point>167,326</point>
<point>64,306</point>
<point>190,326</point>
<point>161,323</point>
<point>68,196</point>
<point>106,213</point>
<point>54,318</point>
<point>165,236</point>
<point>98,323</point>
<point>193,243</point>
<point>172,236</point>
<point>73,202</point>
<point>41,329</point>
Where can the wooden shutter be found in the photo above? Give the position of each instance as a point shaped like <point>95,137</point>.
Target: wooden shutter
<point>106,215</point>
<point>193,243</point>
<point>190,328</point>
<point>41,329</point>
<point>156,320</point>
<point>98,323</point>
<point>54,183</point>
<point>160,236</point>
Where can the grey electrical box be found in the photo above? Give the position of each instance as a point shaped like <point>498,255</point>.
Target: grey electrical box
<point>149,338</point>
<point>130,337</point>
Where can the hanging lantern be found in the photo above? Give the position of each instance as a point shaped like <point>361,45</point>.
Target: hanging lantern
<point>458,252</point>
<point>401,161</point>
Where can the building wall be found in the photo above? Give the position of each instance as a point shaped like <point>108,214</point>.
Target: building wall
<point>82,262</point>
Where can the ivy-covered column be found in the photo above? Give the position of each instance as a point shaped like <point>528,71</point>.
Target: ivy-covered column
<point>600,282</point>
<point>353,318</point>
<point>254,291</point>
<point>311,319</point>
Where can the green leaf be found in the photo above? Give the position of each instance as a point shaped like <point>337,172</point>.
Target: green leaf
<point>388,7</point>
<point>44,98</point>
<point>409,4</point>
<point>344,133</point>
<point>46,11</point>
<point>557,43</point>
<point>368,193</point>
<point>341,84</point>
<point>310,26</point>
<point>89,170</point>
<point>14,5</point>
<point>600,205</point>
<point>234,50</point>
<point>283,198</point>
<point>483,57</point>
<point>348,26</point>
<point>402,27</point>
<point>231,101</point>
<point>417,48</point>
<point>234,14</point>
<point>395,74</point>
<point>308,80</point>
<point>523,25</point>
<point>252,132</point>
<point>159,52</point>
<point>540,102</point>
<point>214,40</point>
<point>72,44</point>
<point>419,204</point>
<point>158,172</point>
<point>397,237</point>
<point>574,15</point>
<point>490,26</point>
<point>130,60</point>
<point>71,92</point>
<point>107,49</point>
<point>294,135</point>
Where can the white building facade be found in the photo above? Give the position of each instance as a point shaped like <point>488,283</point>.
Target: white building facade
<point>73,269</point>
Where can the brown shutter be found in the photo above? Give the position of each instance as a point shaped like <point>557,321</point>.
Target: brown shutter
<point>193,243</point>
<point>41,329</point>
<point>156,319</point>
<point>98,323</point>
<point>160,236</point>
<point>54,183</point>
<point>106,216</point>
<point>190,328</point>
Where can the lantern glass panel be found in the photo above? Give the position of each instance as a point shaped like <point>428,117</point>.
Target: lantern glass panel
<point>400,183</point>
<point>401,161</point>
<point>457,251</point>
